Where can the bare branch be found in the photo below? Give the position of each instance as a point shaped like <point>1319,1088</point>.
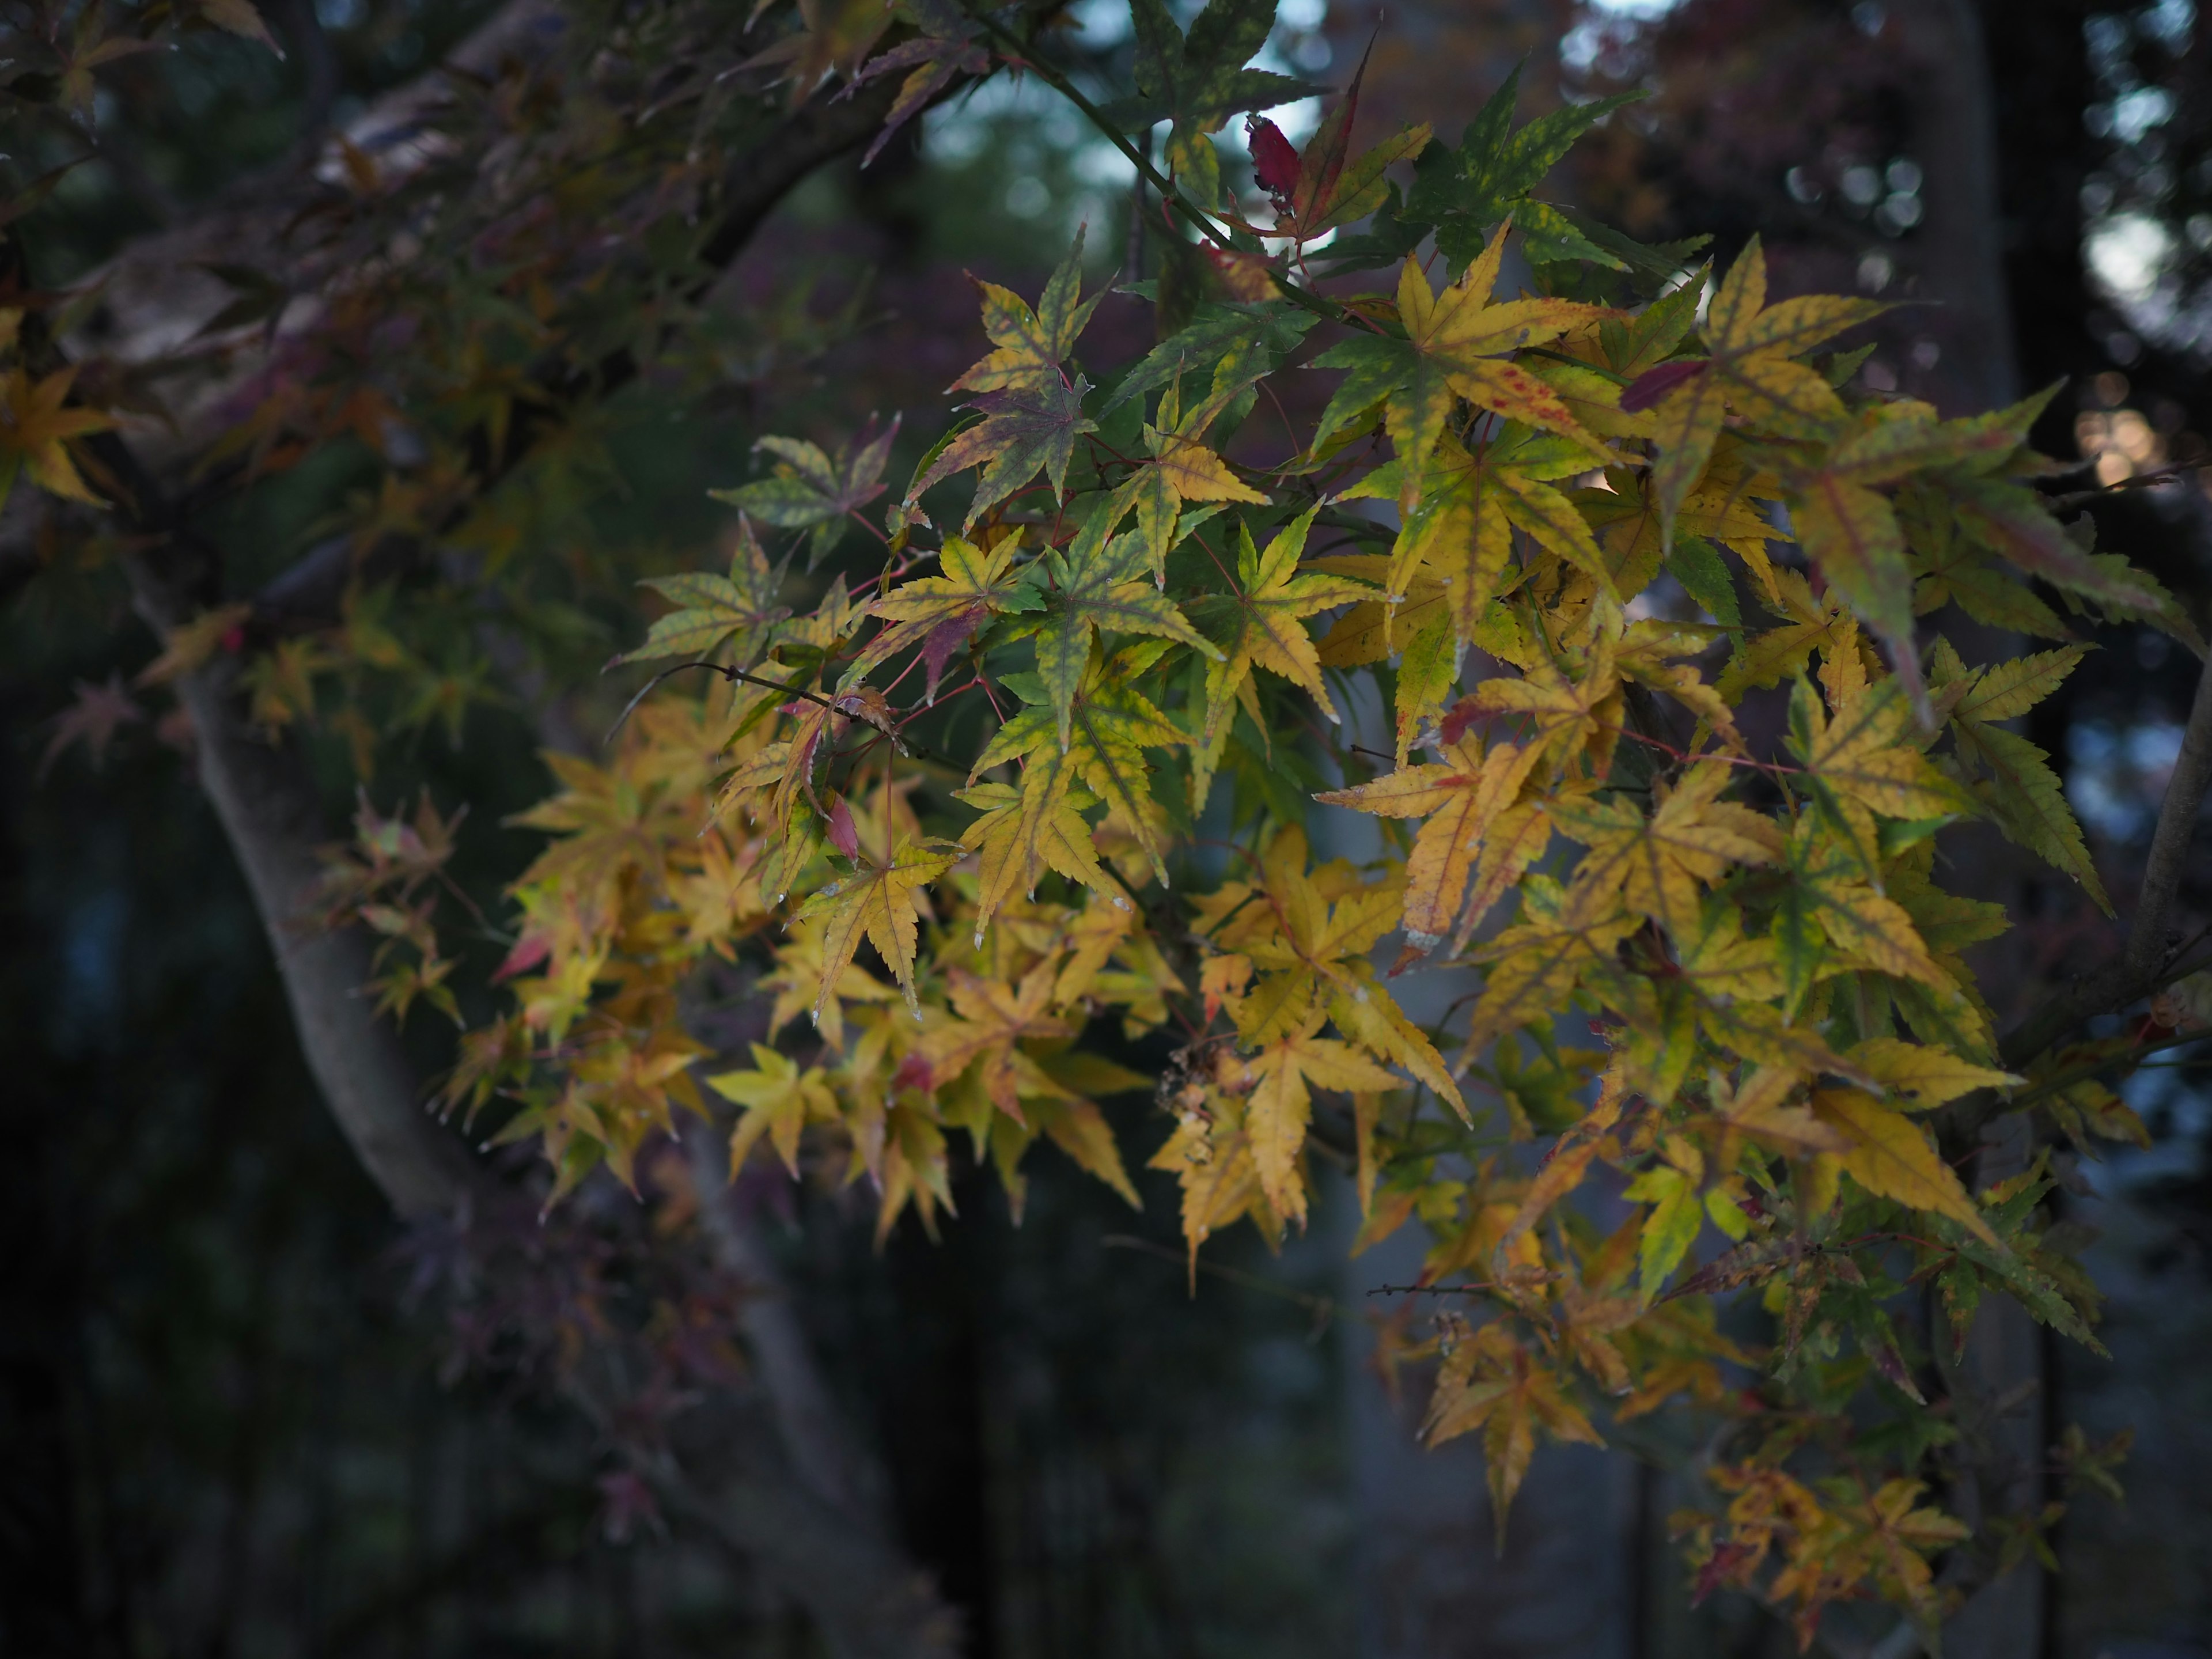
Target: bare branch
<point>2169,847</point>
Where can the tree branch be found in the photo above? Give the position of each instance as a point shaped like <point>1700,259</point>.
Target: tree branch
<point>309,593</point>
<point>814,1530</point>
<point>2147,942</point>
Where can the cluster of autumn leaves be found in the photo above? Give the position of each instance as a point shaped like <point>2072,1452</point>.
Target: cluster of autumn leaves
<point>1755,935</point>
<point>1681,852</point>
<point>1635,596</point>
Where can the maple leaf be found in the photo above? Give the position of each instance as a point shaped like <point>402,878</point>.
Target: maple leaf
<point>1564,718</point>
<point>1279,1106</point>
<point>833,35</point>
<point>1829,904</point>
<point>810,489</point>
<point>1198,81</point>
<point>1493,1382</point>
<point>881,902</point>
<point>1018,839</point>
<point>1421,623</point>
<point>1309,953</point>
<point>93,719</point>
<point>1463,192</point>
<point>36,430</point>
<point>1950,566</point>
<point>944,50</point>
<point>1471,805</point>
<point>1321,190</point>
<point>1892,1157</point>
<point>2010,776</point>
<point>1824,624</point>
<point>1654,863</point>
<point>1244,338</point>
<point>1212,1158</point>
<point>737,610</point>
<point>939,613</point>
<point>1032,412</point>
<point>797,980</point>
<point>2008,1207</point>
<point>1455,345</point>
<point>1851,531</point>
<point>1751,345</point>
<point>2014,522</point>
<point>1535,965</point>
<point>1763,1110</point>
<point>1180,467</point>
<point>993,1018</point>
<point>1861,762</point>
<point>1259,626</point>
<point>607,827</point>
<point>1460,536</point>
<point>1099,590</point>
<point>1676,1217</point>
<point>780,1101</point>
<point>1074,1125</point>
<point>1926,1077</point>
<point>1110,725</point>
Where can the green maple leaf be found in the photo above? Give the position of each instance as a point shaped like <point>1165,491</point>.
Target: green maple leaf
<point>1264,333</point>
<point>810,490</point>
<point>1464,192</point>
<point>2008,1208</point>
<point>2013,521</point>
<point>1180,468</point>
<point>2010,776</point>
<point>1852,532</point>
<point>1110,725</point>
<point>1260,626</point>
<point>1198,81</point>
<point>737,610</point>
<point>1952,567</point>
<point>1863,763</point>
<point>1098,591</point>
<point>1032,411</point>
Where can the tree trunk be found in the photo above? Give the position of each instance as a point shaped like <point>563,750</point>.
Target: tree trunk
<point>782,1487</point>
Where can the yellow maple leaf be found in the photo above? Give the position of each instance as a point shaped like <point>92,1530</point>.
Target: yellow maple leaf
<point>1490,1382</point>
<point>780,1101</point>
<point>884,903</point>
<point>1656,865</point>
<point>36,430</point>
<point>1279,1106</point>
<point>1466,800</point>
<point>1892,1157</point>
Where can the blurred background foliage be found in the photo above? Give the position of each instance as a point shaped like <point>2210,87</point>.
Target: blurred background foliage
<point>231,1421</point>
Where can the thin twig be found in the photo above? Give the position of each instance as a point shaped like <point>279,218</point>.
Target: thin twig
<point>1431,1290</point>
<point>1323,1307</point>
<point>648,687</point>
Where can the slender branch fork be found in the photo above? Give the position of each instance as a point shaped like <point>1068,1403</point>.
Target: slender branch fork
<point>2148,963</point>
